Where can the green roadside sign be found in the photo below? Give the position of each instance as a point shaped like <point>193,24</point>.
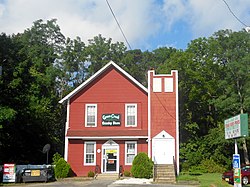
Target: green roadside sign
<point>236,127</point>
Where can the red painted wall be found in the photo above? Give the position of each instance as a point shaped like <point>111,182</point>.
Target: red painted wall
<point>163,108</point>
<point>110,91</point>
<point>76,152</point>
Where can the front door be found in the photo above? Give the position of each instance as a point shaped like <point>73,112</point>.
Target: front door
<point>163,148</point>
<point>110,157</point>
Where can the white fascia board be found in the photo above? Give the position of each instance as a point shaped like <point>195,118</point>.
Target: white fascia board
<point>164,75</point>
<point>177,122</point>
<point>107,137</point>
<point>85,83</point>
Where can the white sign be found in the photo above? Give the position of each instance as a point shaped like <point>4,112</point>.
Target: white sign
<point>232,127</point>
<point>9,173</point>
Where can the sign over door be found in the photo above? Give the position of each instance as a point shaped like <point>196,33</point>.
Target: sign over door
<point>163,148</point>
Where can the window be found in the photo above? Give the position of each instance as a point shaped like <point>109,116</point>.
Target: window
<point>130,152</point>
<point>131,115</point>
<point>169,84</point>
<point>157,87</point>
<point>91,115</point>
<point>89,153</point>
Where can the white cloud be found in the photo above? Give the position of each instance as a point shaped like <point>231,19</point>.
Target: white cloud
<point>84,18</point>
<point>207,17</point>
<point>141,20</point>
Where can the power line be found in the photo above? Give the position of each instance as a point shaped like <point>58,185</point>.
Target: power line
<point>118,25</point>
<point>164,107</point>
<point>234,14</point>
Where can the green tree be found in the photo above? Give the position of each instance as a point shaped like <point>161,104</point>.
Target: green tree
<point>235,59</point>
<point>100,51</point>
<point>28,93</point>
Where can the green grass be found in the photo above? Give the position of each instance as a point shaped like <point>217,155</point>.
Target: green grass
<point>205,180</point>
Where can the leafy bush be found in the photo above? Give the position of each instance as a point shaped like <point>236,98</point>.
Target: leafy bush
<point>55,158</point>
<point>206,166</point>
<point>91,174</point>
<point>62,168</point>
<point>142,166</point>
<point>197,170</point>
<point>211,166</point>
<point>126,173</point>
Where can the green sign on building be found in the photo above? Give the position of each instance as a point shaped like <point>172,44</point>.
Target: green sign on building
<point>236,126</point>
<point>111,119</point>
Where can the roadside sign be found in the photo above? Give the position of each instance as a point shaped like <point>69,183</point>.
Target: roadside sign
<point>236,161</point>
<point>9,173</point>
<point>237,170</point>
<point>236,127</point>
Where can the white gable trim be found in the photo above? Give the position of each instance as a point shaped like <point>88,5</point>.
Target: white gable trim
<point>111,63</point>
<point>110,142</point>
<point>163,135</point>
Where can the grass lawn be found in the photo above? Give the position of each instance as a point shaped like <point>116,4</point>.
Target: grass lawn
<point>205,180</point>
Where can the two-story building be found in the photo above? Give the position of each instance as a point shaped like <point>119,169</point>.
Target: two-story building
<point>111,117</point>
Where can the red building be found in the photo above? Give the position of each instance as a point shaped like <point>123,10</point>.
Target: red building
<point>111,117</point>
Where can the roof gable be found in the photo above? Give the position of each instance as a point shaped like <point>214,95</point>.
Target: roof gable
<point>163,135</point>
<point>98,73</point>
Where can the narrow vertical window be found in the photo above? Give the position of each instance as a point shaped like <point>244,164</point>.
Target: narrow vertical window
<point>89,153</point>
<point>131,115</point>
<point>130,152</point>
<point>91,115</point>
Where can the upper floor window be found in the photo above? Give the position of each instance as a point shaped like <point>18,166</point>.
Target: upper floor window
<point>130,151</point>
<point>131,115</point>
<point>89,153</point>
<point>91,115</point>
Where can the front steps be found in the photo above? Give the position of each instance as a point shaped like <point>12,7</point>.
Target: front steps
<point>107,176</point>
<point>164,173</point>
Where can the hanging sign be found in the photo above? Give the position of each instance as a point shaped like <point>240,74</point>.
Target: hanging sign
<point>111,151</point>
<point>236,126</point>
<point>111,119</point>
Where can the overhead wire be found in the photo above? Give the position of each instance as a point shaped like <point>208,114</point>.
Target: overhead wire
<point>234,14</point>
<point>131,49</point>
<point>161,103</point>
<point>118,25</point>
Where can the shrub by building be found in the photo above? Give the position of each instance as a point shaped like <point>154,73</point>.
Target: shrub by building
<point>142,166</point>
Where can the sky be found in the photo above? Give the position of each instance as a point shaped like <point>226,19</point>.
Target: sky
<point>147,24</point>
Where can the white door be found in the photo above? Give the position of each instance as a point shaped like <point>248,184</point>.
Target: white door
<point>163,149</point>
<point>110,157</point>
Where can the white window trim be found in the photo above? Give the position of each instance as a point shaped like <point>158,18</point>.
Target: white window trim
<point>89,164</point>
<point>126,144</point>
<point>86,106</point>
<point>126,105</point>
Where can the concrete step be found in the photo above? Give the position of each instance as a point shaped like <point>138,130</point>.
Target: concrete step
<point>107,176</point>
<point>165,181</point>
<point>165,174</point>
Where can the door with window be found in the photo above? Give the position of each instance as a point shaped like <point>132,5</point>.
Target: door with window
<point>110,157</point>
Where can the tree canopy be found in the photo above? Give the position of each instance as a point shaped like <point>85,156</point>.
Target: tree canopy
<point>41,65</point>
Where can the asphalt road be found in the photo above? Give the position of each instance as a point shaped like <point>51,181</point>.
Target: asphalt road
<point>91,183</point>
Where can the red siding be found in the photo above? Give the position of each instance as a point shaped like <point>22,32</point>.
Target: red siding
<point>76,152</point>
<point>110,91</point>
<point>163,108</point>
